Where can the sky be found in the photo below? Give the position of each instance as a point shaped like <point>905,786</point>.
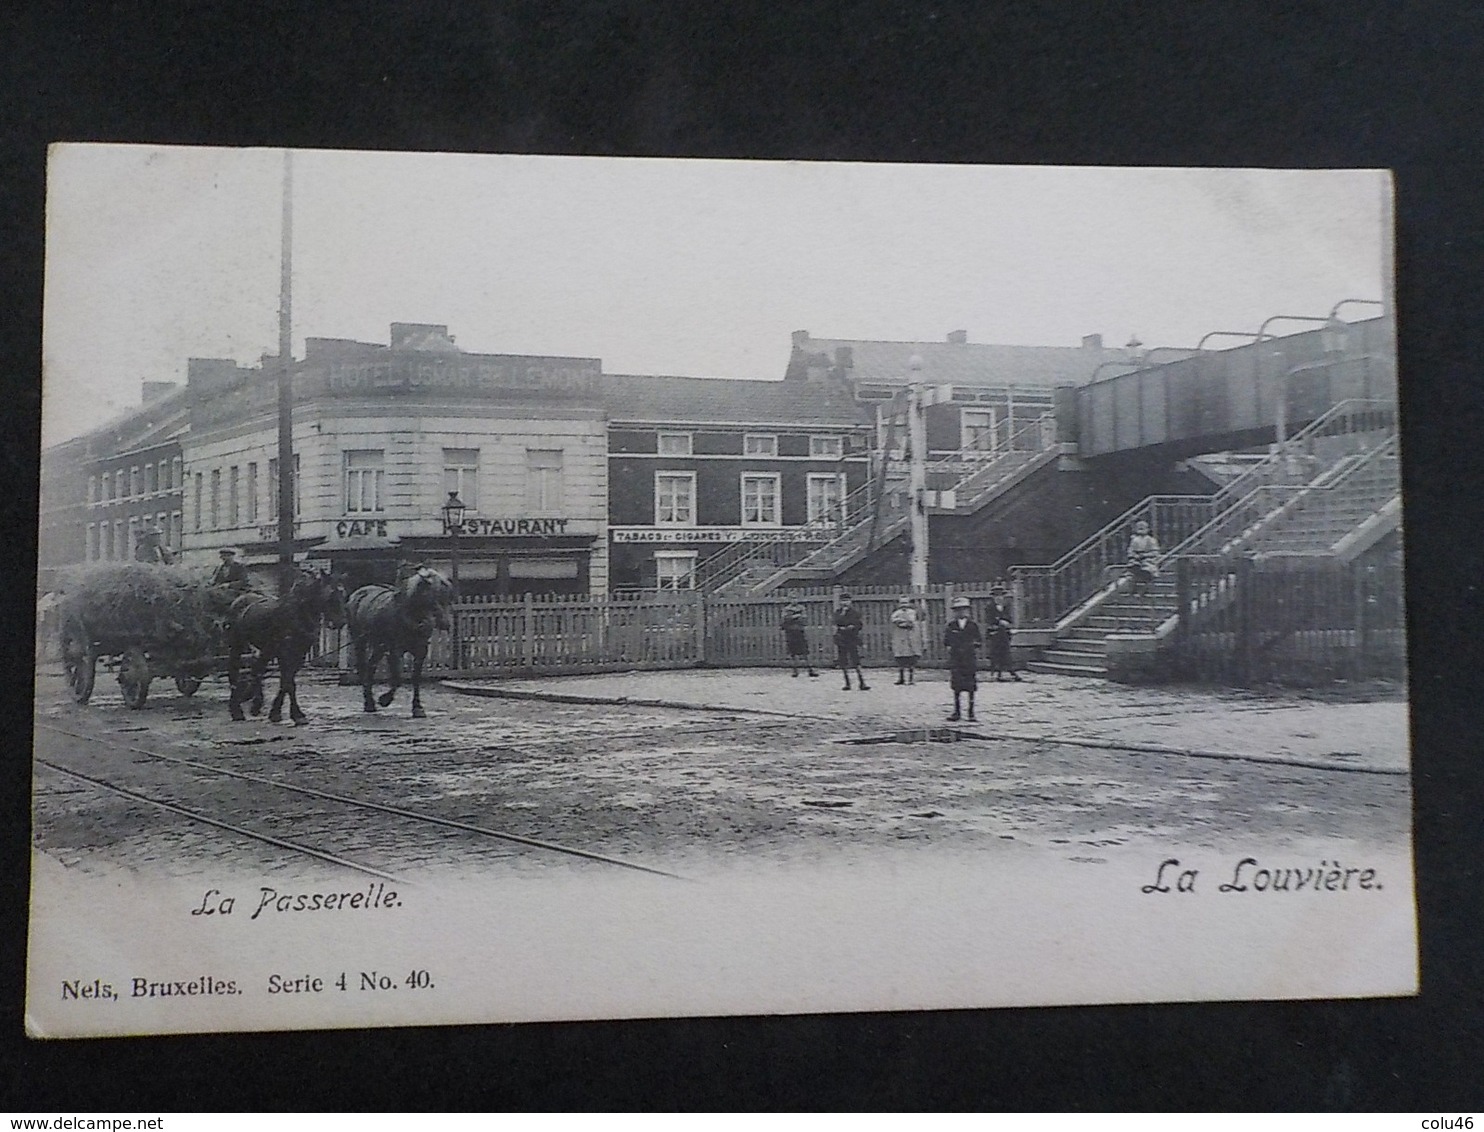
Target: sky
<point>701,268</point>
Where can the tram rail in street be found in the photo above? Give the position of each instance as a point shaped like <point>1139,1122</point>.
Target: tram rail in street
<point>359,804</point>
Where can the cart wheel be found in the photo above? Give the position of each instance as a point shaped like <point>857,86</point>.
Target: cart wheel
<point>134,677</point>
<point>79,661</point>
<point>187,685</point>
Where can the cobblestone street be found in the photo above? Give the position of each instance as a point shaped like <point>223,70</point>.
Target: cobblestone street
<point>758,765</point>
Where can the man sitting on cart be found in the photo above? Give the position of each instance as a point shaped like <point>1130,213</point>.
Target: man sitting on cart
<point>229,582</point>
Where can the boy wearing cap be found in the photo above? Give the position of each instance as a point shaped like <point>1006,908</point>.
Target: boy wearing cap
<point>848,626</point>
<point>962,639</point>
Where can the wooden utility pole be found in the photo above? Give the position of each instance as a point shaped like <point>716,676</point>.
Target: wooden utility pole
<point>286,485</point>
<point>917,477</point>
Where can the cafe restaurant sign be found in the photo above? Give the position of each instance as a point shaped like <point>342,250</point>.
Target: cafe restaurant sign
<point>528,528</point>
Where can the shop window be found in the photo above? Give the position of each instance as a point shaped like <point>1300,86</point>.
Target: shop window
<point>826,499</point>
<point>365,481</point>
<point>461,475</point>
<point>675,569</point>
<point>675,444</point>
<point>760,499</point>
<point>544,489</point>
<point>759,444</point>
<point>827,447</point>
<point>543,568</point>
<point>675,499</point>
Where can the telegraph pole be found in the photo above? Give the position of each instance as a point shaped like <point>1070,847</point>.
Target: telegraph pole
<point>286,384</point>
<point>917,475</point>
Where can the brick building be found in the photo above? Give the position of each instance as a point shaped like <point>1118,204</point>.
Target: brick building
<point>697,466</point>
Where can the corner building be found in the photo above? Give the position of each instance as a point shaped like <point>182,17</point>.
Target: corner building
<point>381,435</point>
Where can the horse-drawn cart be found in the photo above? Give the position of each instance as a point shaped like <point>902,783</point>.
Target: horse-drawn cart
<point>147,622</point>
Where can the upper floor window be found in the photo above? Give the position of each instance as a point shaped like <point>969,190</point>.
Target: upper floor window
<point>151,478</point>
<point>273,485</point>
<point>827,447</point>
<point>251,492</point>
<point>196,504</point>
<point>234,510</point>
<point>675,499</point>
<point>216,498</point>
<point>977,429</point>
<point>119,491</point>
<point>760,499</point>
<point>461,475</point>
<point>759,444</point>
<point>136,484</point>
<point>544,491</point>
<point>92,489</point>
<point>176,479</point>
<point>365,481</point>
<point>675,444</point>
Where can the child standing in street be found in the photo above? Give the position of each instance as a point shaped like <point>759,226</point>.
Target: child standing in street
<point>906,640</point>
<point>1001,656</point>
<point>796,638</point>
<point>848,626</point>
<point>962,639</point>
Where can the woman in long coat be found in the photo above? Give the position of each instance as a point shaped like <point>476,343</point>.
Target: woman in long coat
<point>906,640</point>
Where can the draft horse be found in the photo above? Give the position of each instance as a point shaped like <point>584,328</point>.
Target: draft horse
<point>278,629</point>
<point>392,620</point>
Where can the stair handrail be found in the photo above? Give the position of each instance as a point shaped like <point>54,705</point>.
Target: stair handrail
<point>1257,473</point>
<point>1001,456</point>
<point>1050,580</point>
<point>1257,503</point>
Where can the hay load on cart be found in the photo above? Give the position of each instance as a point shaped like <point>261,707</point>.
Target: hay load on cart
<point>145,620</point>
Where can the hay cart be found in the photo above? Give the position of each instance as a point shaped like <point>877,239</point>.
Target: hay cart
<point>147,623</point>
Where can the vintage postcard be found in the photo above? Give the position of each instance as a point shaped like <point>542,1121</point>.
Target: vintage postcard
<point>486,588</point>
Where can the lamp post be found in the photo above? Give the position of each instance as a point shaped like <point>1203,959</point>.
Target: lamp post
<point>453,521</point>
<point>917,475</point>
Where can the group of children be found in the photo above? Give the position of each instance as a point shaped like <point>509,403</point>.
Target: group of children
<point>962,637</point>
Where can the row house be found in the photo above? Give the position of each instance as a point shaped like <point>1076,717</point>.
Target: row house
<point>382,435</point>
<point>699,465</point>
<point>105,494</point>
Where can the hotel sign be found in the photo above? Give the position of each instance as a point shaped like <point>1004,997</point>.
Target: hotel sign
<point>461,374</point>
<point>692,535</point>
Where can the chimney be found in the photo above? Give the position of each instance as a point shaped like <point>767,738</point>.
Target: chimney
<point>154,390</point>
<point>958,337</point>
<point>1092,341</point>
<point>801,339</point>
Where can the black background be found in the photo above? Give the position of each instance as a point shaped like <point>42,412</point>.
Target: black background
<point>1276,84</point>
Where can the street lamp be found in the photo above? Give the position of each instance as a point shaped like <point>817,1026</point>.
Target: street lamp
<point>453,520</point>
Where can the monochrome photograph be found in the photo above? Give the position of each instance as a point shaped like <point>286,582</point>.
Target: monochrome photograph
<point>479,588</point>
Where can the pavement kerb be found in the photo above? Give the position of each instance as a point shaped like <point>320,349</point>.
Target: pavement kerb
<point>495,692</point>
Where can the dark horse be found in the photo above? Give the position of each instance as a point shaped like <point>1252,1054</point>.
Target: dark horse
<point>392,620</point>
<point>282,629</point>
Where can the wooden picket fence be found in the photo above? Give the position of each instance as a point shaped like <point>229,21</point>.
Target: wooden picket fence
<point>662,629</point>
